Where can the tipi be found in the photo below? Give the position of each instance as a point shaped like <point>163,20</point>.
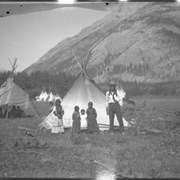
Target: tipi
<point>50,97</point>
<point>43,96</point>
<point>11,94</point>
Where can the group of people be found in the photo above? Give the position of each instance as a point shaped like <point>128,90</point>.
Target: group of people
<point>11,112</point>
<point>91,116</point>
<point>78,115</point>
<point>115,99</point>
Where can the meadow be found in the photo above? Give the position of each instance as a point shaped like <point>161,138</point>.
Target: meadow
<point>149,149</point>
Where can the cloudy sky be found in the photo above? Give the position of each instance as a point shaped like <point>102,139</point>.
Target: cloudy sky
<point>29,36</point>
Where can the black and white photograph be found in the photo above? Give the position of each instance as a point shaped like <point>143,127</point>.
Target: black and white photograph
<point>90,89</point>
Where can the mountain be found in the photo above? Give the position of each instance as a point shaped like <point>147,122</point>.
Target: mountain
<point>136,42</point>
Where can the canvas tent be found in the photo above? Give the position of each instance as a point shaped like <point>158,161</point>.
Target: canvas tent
<point>47,97</point>
<point>50,97</point>
<point>43,96</point>
<point>11,94</point>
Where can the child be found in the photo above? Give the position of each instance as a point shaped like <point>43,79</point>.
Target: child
<point>76,127</point>
<point>92,125</point>
<point>51,106</point>
<point>58,112</point>
<point>83,119</point>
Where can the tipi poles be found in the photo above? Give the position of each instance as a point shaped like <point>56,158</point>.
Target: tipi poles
<point>7,112</point>
<point>37,113</point>
<point>81,66</point>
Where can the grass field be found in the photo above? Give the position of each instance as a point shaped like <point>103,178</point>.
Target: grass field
<point>151,148</point>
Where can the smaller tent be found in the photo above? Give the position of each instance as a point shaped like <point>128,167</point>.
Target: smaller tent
<point>50,97</point>
<point>11,94</point>
<point>43,96</point>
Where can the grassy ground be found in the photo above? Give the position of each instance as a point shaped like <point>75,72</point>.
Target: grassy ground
<point>149,149</point>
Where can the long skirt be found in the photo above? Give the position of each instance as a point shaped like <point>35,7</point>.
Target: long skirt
<point>92,125</point>
<point>76,126</point>
<point>58,127</point>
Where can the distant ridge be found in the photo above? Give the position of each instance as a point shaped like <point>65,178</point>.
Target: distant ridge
<point>137,42</point>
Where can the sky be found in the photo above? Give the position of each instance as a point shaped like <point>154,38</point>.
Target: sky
<point>30,36</point>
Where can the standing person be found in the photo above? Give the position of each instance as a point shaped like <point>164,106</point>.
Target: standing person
<point>76,127</point>
<point>92,125</point>
<point>51,106</point>
<point>83,119</point>
<point>58,112</point>
<point>114,99</point>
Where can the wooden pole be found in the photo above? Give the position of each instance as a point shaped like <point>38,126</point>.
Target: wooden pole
<point>37,112</point>
<point>81,66</point>
<point>106,125</point>
<point>25,128</point>
<point>7,112</point>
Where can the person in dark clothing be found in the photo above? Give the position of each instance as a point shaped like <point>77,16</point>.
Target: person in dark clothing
<point>1,112</point>
<point>12,112</point>
<point>19,112</point>
<point>51,106</point>
<point>92,125</point>
<point>76,126</point>
<point>59,112</point>
<point>4,110</point>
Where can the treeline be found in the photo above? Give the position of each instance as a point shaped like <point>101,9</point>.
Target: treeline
<point>136,69</point>
<point>138,89</point>
<point>60,84</point>
<point>38,81</point>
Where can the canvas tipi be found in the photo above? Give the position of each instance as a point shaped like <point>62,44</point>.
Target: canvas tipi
<point>43,96</point>
<point>11,94</point>
<point>50,97</point>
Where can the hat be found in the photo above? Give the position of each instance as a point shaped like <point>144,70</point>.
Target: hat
<point>112,83</point>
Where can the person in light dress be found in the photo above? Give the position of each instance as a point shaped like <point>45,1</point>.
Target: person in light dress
<point>83,119</point>
<point>58,121</point>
